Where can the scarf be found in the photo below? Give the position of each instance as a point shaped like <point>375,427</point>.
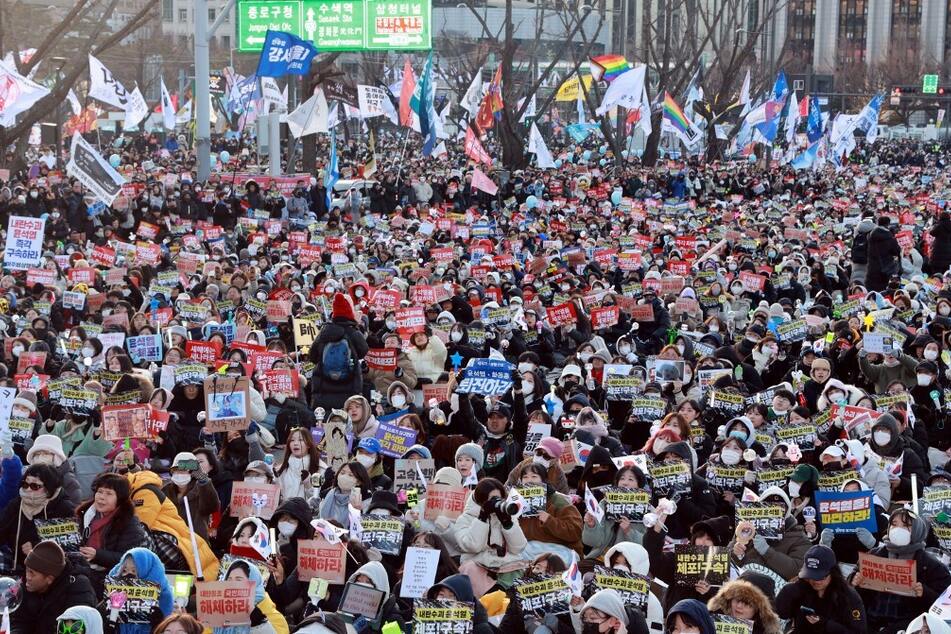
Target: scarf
<point>97,528</point>
<point>919,533</point>
<point>31,506</point>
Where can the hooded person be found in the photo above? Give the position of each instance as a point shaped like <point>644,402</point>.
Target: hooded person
<point>873,475</point>
<point>743,600</point>
<point>888,442</point>
<point>859,251</point>
<point>689,615</point>
<point>605,613</point>
<point>547,454</point>
<point>374,574</point>
<point>907,534</point>
<point>364,422</point>
<point>459,588</point>
<point>783,556</point>
<point>158,512</point>
<point>591,429</point>
<point>337,354</point>
<point>88,616</point>
<point>631,557</point>
<point>927,622</point>
<point>695,504</point>
<point>291,520</point>
<point>144,565</point>
<point>265,618</point>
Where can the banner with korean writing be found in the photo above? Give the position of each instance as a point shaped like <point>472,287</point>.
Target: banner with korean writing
<point>224,603</point>
<point>434,616</point>
<point>562,314</point>
<point>406,475</point>
<point>63,531</point>
<point>604,317</point>
<point>131,600</point>
<point>846,511</point>
<point>394,440</point>
<point>319,559</point>
<point>535,498</point>
<point>383,533</point>
<point>621,503</point>
<point>622,388</point>
<point>384,359</point>
<point>644,408</point>
<point>488,377</point>
<point>726,478</point>
<point>145,348</point>
<point>548,594</point>
<point>768,519</point>
<point>446,500</point>
<point>934,501</point>
<point>24,244</point>
<point>726,624</point>
<point>701,563</point>
<point>670,476</point>
<point>896,576</point>
<point>254,499</point>
<point>632,587</point>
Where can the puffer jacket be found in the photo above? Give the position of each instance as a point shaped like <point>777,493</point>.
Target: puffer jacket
<point>562,527</point>
<point>784,556</point>
<point>488,543</point>
<point>765,622</point>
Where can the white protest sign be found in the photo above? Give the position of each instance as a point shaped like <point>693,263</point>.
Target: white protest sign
<point>24,243</point>
<point>7,394</point>
<point>419,571</point>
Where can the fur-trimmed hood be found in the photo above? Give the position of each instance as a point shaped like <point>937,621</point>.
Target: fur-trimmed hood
<point>852,394</point>
<point>766,618</point>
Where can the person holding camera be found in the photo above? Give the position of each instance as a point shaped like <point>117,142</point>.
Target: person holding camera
<point>490,540</point>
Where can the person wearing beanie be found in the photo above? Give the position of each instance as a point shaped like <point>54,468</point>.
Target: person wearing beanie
<point>469,461</point>
<point>819,373</point>
<point>338,355</point>
<point>48,449</point>
<point>802,485</point>
<point>51,585</point>
<point>547,454</point>
<point>889,441</point>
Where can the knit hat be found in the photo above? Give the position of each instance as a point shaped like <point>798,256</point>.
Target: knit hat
<point>46,558</point>
<point>50,443</point>
<point>448,475</point>
<point>609,602</point>
<point>474,451</point>
<point>820,363</point>
<point>342,308</point>
<point>183,456</point>
<point>27,399</point>
<point>552,446</point>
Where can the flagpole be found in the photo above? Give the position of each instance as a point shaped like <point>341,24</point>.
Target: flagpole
<point>399,171</point>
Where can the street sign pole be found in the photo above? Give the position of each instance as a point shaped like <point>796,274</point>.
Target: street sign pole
<point>202,90</point>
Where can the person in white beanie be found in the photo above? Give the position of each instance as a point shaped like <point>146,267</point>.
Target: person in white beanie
<point>48,449</point>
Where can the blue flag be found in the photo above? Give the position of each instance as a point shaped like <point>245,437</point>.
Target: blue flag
<point>333,172</point>
<point>780,87</point>
<point>243,92</point>
<point>422,103</point>
<point>285,54</point>
<point>806,159</point>
<point>814,122</point>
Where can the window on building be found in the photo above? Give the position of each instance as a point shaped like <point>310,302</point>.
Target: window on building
<point>183,15</point>
<point>168,13</point>
<point>211,15</point>
<point>226,41</point>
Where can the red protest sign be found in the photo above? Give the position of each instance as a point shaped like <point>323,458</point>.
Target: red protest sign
<point>319,559</point>
<point>26,359</point>
<point>438,391</point>
<point>263,360</point>
<point>46,277</point>
<point>158,421</point>
<point>147,230</point>
<point>562,314</point>
<point>897,576</point>
<point>160,316</point>
<point>384,359</point>
<point>752,282</point>
<point>446,500</point>
<point>278,311</point>
<point>103,256</point>
<point>203,351</point>
<point>411,319</point>
<point>385,301</point>
<point>259,500</point>
<point>605,317</point>
<point>642,312</point>
<point>224,603</point>
<point>906,239</point>
<point>27,382</point>
<point>628,261</point>
<point>84,275</point>
<point>282,382</point>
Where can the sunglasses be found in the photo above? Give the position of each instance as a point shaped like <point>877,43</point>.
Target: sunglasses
<point>32,486</point>
<point>71,627</point>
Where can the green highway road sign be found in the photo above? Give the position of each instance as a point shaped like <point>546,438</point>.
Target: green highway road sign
<point>338,25</point>
<point>929,84</point>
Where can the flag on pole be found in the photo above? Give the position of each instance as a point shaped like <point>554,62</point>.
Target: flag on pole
<point>626,90</point>
<point>792,117</point>
<point>579,104</point>
<point>441,150</point>
<point>406,94</point>
<point>474,150</point>
<point>285,54</point>
<point>807,158</point>
<point>104,87</point>
<point>310,117</point>
<point>168,108</point>
<point>674,120</point>
<point>694,90</point>
<point>591,505</point>
<point>491,108</point>
<point>486,184</point>
<point>745,90</point>
<point>536,144</point>
<point>333,172</point>
<point>423,104</point>
<point>369,169</point>
<point>609,67</point>
<point>473,97</point>
<point>17,94</point>
<point>814,123</point>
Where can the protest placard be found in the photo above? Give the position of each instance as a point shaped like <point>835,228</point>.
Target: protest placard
<point>394,440</point>
<point>226,403</point>
<point>318,558</point>
<point>384,359</point>
<point>410,319</point>
<point>729,402</point>
<point>79,401</point>
<point>546,594</point>
<point>63,531</point>
<point>24,244</point>
<point>442,615</point>
<point>562,314</point>
<point>846,511</point>
<point>833,480</point>
<point>286,382</point>
<point>306,330</point>
<point>935,500</point>
<point>773,476</point>
<point>29,359</point>
<point>488,377</point>
<point>406,473</point>
<point>632,587</point>
<point>768,519</point>
<point>696,563</point>
<point>726,624</point>
<point>445,500</point>
<point>203,351</point>
<point>536,432</point>
<point>131,600</point>
<point>803,435</point>
<point>535,498</point>
<point>622,388</point>
<point>670,476</point>
<point>896,576</point>
<point>725,478</point>
<point>254,499</point>
<point>629,504</point>
<point>604,317</point>
<point>125,421</point>
<point>383,533</point>
<point>145,348</point>
<point>224,603</point>
<point>419,571</point>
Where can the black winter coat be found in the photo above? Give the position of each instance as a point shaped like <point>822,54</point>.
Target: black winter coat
<point>18,533</point>
<point>38,612</point>
<point>941,247</point>
<point>884,259</point>
<point>332,394</point>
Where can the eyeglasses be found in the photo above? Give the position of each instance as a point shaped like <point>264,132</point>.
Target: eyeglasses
<point>32,486</point>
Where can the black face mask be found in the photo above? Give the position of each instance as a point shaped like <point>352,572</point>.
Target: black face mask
<point>590,628</point>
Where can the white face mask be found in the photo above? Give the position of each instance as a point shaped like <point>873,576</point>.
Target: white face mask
<point>730,456</point>
<point>286,529</point>
<point>924,379</point>
<point>366,461</point>
<point>346,482</point>
<point>899,536</point>
<point>542,461</point>
<point>455,335</point>
<point>398,400</point>
<point>17,350</point>
<point>931,355</point>
<point>680,348</point>
<point>621,567</point>
<point>714,328</point>
<point>882,438</point>
<point>794,489</point>
<point>42,458</point>
<point>624,349</point>
<point>181,479</point>
<point>255,479</point>
<point>88,352</point>
<point>944,309</point>
<point>585,356</point>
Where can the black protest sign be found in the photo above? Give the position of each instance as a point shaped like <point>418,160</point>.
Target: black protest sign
<point>701,563</point>
<point>383,533</point>
<point>64,531</point>
<point>441,616</point>
<point>543,593</point>
<point>632,587</point>
<point>670,476</point>
<point>768,519</point>
<point>130,600</point>
<point>629,504</point>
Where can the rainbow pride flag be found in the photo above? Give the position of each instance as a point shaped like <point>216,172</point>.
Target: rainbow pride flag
<point>674,116</point>
<point>608,67</point>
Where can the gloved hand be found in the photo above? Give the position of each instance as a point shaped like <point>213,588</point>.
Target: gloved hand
<point>760,544</point>
<point>442,522</point>
<point>826,537</point>
<point>252,431</point>
<point>865,537</point>
<point>516,380</point>
<point>551,622</point>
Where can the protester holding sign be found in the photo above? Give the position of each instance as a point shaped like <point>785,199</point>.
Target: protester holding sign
<point>189,481</point>
<point>41,498</point>
<point>784,555</point>
<point>624,508</point>
<point>743,600</point>
<point>140,564</point>
<point>559,523</point>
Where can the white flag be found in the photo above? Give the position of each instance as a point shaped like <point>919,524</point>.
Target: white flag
<point>74,102</point>
<point>441,123</point>
<point>93,171</point>
<point>579,104</point>
<point>644,108</point>
<point>184,115</point>
<point>529,111</point>
<point>626,90</point>
<point>792,118</point>
<point>745,90</point>
<point>17,94</point>
<point>310,117</point>
<point>104,87</point>
<point>271,94</point>
<point>372,101</point>
<point>473,97</point>
<point>537,145</point>
<point>137,109</point>
<point>168,110</point>
<point>440,150</point>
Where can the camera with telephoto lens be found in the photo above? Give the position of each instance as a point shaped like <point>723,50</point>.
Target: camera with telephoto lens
<point>499,505</point>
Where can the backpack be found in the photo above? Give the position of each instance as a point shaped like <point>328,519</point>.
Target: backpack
<point>336,362</point>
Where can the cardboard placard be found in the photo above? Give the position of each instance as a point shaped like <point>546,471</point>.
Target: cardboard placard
<point>125,421</point>
<point>383,533</point>
<point>252,499</point>
<point>227,403</point>
<point>406,474</point>
<point>896,576</point>
<point>419,571</point>
<point>696,563</point>
<point>546,593</point>
<point>846,511</point>
<point>446,500</point>
<point>319,559</point>
<point>224,603</point>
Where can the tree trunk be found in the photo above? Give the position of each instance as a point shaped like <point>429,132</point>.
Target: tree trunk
<point>653,141</point>
<point>510,138</point>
